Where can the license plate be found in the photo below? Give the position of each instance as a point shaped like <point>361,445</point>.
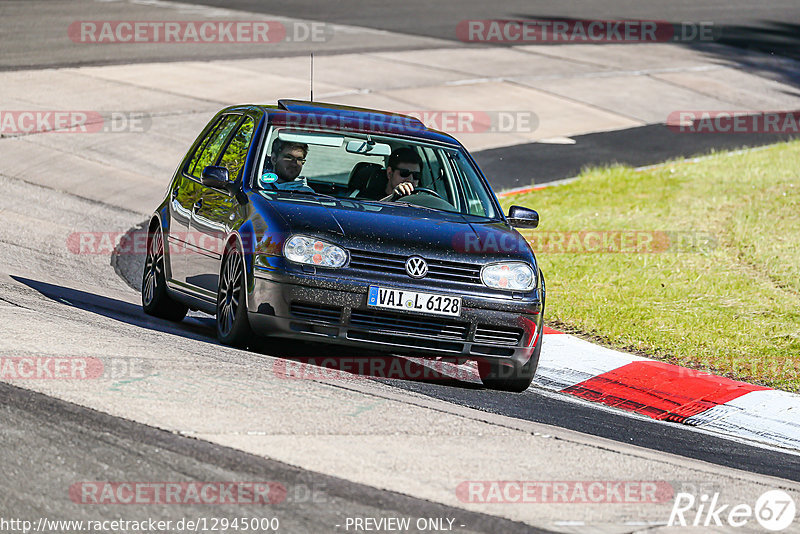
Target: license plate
<point>412,301</point>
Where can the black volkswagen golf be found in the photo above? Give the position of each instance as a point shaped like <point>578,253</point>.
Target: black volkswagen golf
<point>320,222</point>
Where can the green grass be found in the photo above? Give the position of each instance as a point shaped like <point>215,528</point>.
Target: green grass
<point>719,289</point>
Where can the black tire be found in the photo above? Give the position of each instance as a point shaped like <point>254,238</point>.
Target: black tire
<point>233,327</point>
<point>155,299</point>
<point>515,379</point>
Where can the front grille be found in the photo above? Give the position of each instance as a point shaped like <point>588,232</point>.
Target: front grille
<point>396,264</point>
<point>397,340</point>
<point>316,312</point>
<point>497,334</point>
<point>409,324</point>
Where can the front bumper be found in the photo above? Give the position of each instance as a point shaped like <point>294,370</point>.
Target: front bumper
<point>334,310</point>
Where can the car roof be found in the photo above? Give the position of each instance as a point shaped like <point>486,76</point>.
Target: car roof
<point>334,117</point>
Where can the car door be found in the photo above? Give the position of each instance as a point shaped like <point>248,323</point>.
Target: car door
<point>216,212</point>
<point>186,196</point>
<point>180,212</point>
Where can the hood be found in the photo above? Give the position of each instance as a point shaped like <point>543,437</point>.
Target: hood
<point>399,229</point>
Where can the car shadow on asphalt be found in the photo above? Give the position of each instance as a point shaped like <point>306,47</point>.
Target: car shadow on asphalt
<point>196,327</point>
<point>337,362</point>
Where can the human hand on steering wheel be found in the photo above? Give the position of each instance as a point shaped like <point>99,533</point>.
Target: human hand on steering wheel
<point>403,189</point>
<point>414,191</point>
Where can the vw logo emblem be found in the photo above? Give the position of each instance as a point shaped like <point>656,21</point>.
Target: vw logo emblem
<point>416,267</point>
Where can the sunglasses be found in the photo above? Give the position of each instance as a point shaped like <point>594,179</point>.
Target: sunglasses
<point>405,173</point>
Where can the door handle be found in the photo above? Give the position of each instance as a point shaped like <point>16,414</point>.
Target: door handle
<point>198,205</point>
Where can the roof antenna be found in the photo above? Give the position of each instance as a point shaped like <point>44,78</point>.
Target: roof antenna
<point>312,76</point>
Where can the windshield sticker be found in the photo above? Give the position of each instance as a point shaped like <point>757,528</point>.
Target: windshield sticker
<point>267,178</point>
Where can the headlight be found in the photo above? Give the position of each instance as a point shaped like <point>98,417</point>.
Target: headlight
<point>303,249</point>
<point>512,276</point>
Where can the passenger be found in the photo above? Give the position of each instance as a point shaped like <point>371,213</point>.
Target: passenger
<point>287,162</point>
<point>402,173</point>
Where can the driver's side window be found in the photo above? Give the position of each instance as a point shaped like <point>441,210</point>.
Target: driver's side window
<point>208,151</point>
<point>235,155</point>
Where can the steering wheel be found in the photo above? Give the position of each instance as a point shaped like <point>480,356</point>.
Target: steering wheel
<point>420,190</point>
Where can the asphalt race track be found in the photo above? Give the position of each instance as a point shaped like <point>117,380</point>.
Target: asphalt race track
<point>768,28</point>
<point>318,502</point>
<point>173,405</point>
<point>637,147</point>
<point>539,406</point>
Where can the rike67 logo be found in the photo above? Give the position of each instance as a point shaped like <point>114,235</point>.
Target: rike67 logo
<point>774,511</point>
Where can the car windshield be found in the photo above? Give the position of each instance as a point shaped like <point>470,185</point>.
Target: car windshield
<point>368,168</point>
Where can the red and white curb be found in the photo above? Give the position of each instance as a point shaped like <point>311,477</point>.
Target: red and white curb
<point>668,392</point>
<point>663,391</point>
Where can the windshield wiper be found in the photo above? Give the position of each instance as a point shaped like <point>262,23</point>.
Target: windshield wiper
<point>421,207</point>
<point>304,192</point>
<point>398,203</point>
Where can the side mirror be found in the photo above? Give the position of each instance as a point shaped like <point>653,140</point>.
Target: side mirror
<point>520,217</point>
<point>218,178</point>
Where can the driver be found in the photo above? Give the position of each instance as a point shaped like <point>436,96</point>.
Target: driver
<point>287,159</point>
<point>402,173</point>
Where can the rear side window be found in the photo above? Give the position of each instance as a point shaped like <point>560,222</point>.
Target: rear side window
<point>208,151</point>
<point>235,155</point>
